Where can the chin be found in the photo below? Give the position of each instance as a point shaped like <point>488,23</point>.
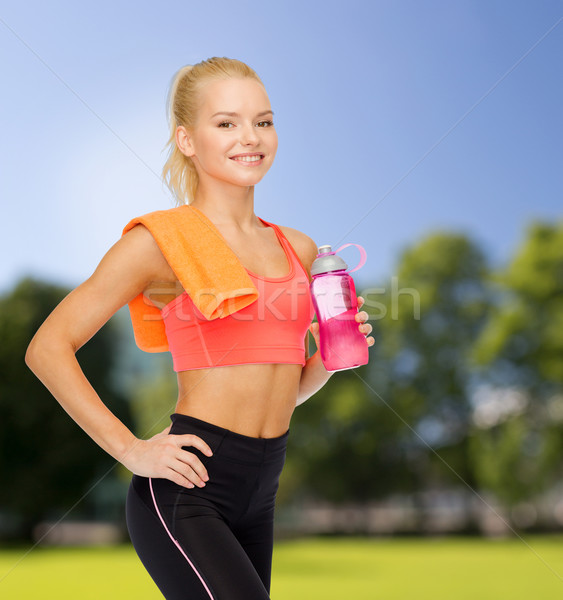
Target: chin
<point>250,179</point>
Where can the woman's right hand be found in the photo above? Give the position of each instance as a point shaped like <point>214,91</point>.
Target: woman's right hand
<point>162,456</point>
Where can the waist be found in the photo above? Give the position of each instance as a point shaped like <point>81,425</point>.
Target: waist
<point>228,443</point>
<point>255,400</point>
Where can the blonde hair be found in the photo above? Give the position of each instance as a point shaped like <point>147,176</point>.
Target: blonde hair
<point>182,107</point>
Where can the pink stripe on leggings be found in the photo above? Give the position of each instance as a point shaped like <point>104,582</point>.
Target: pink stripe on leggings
<point>176,543</point>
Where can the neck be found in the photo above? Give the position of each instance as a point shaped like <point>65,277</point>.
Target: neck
<point>230,206</point>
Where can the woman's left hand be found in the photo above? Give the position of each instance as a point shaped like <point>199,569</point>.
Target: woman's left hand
<point>361,317</point>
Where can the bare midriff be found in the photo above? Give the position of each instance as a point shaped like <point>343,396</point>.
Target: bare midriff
<point>255,399</point>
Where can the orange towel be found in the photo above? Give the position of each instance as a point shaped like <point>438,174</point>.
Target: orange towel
<point>208,270</point>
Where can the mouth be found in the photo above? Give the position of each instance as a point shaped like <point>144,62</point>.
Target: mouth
<point>248,158</point>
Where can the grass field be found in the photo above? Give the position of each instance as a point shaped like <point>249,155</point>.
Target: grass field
<point>327,569</point>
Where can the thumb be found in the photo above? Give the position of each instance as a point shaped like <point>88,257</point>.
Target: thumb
<point>164,431</point>
<point>314,329</point>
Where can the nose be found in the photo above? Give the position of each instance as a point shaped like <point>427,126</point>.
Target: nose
<point>249,135</point>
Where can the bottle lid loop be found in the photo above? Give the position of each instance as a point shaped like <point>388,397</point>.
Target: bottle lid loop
<point>363,256</point>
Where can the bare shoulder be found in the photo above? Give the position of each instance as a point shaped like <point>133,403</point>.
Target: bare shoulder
<point>140,243</point>
<point>161,283</point>
<point>304,245</point>
<point>131,265</point>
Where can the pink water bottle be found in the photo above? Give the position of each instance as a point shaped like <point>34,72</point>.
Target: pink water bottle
<point>343,345</point>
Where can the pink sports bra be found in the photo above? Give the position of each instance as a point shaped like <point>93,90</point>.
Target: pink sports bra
<point>270,330</point>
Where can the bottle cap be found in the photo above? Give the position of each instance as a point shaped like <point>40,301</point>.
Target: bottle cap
<point>327,261</point>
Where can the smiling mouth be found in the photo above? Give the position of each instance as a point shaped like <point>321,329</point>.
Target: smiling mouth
<point>248,158</point>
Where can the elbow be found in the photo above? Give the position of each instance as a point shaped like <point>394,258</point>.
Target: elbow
<point>33,354</point>
<point>40,352</point>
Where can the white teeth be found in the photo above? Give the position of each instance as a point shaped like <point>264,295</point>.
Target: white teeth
<point>253,158</point>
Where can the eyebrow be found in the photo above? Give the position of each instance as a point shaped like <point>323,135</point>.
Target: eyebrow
<point>234,114</point>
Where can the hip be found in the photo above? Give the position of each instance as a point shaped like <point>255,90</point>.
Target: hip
<point>243,471</point>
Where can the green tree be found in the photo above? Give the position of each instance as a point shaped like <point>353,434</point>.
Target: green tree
<point>47,462</point>
<point>517,445</point>
<point>429,372</point>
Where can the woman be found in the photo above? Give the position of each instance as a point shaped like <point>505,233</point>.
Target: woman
<point>201,500</point>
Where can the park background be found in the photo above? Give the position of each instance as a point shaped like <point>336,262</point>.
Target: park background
<point>430,133</point>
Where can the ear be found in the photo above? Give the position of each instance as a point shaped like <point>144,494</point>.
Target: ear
<point>184,141</point>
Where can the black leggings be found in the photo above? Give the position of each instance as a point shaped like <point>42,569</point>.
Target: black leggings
<point>214,542</point>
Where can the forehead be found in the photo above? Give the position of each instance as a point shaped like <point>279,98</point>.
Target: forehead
<point>233,95</point>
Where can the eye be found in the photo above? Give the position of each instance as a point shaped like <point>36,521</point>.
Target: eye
<point>268,123</point>
<point>225,123</point>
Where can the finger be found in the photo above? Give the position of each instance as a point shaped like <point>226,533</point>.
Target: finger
<point>162,434</point>
<point>189,439</point>
<point>314,329</point>
<point>196,474</point>
<point>199,470</point>
<point>197,467</point>
<point>370,340</point>
<point>361,316</point>
<point>360,301</point>
<point>194,464</point>
<point>178,478</point>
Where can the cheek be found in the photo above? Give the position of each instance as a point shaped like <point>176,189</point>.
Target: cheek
<point>212,147</point>
<point>273,142</point>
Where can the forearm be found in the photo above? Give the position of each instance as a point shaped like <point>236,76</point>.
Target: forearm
<point>313,378</point>
<point>57,368</point>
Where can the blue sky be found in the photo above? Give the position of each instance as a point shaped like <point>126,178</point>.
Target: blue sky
<point>362,93</point>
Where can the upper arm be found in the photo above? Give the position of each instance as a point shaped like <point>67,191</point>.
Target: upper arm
<point>125,271</point>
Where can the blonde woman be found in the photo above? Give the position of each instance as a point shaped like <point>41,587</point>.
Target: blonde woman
<point>200,506</point>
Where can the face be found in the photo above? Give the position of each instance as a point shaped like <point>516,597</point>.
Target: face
<point>218,140</point>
